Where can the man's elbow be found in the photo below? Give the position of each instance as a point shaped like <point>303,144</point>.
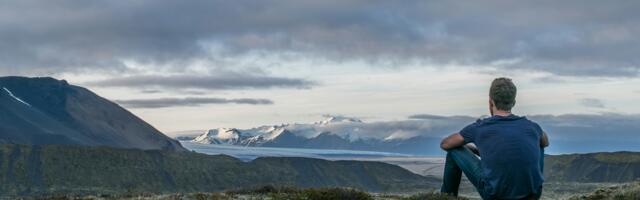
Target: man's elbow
<point>544,144</point>
<point>444,145</point>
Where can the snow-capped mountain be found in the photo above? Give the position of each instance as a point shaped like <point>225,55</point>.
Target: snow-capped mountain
<point>262,135</point>
<point>337,119</point>
<point>219,136</point>
<point>337,132</point>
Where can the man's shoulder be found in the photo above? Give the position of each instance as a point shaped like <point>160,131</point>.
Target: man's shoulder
<point>509,119</point>
<point>534,124</point>
<point>529,121</point>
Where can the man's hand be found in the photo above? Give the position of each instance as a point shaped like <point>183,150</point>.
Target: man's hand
<point>473,148</point>
<point>453,141</point>
<point>544,140</point>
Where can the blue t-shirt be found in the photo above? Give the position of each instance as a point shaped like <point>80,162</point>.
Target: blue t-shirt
<point>510,154</point>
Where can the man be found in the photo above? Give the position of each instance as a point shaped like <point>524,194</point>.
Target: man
<point>511,150</point>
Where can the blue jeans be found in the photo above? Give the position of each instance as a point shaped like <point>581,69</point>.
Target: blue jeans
<point>461,160</point>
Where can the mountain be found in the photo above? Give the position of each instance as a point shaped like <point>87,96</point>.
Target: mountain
<point>77,170</point>
<point>220,136</point>
<point>50,111</point>
<point>335,132</point>
<point>338,119</point>
<point>593,167</point>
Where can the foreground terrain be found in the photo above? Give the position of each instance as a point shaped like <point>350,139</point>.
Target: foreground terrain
<point>270,192</point>
<point>630,191</point>
<point>622,192</point>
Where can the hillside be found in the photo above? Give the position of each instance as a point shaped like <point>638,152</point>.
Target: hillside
<point>58,169</point>
<point>593,167</point>
<point>629,191</point>
<point>49,111</point>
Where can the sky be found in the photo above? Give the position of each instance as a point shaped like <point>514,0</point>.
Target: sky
<point>195,65</point>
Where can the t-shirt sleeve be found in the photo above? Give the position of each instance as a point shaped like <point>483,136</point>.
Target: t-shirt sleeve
<point>538,129</point>
<point>469,132</point>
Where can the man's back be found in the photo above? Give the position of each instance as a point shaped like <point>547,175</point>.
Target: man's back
<point>510,155</point>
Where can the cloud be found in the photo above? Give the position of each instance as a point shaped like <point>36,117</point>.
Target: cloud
<point>150,91</point>
<point>592,103</point>
<point>217,82</point>
<point>190,101</point>
<point>438,117</point>
<point>573,38</point>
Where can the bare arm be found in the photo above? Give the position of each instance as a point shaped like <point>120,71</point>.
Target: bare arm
<point>544,140</point>
<point>452,141</point>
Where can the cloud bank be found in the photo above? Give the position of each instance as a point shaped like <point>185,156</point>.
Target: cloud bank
<point>573,38</point>
<point>189,102</point>
<point>215,82</point>
<point>592,103</point>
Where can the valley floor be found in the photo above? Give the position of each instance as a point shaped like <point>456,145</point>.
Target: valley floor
<point>423,165</point>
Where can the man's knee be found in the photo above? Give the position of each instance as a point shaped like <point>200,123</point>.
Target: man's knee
<point>458,151</point>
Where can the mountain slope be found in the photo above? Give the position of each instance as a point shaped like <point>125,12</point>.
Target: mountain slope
<point>49,111</point>
<point>593,167</point>
<point>58,169</point>
<point>629,191</point>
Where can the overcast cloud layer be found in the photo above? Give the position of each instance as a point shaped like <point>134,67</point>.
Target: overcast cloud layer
<point>574,38</point>
<point>216,82</point>
<point>189,101</point>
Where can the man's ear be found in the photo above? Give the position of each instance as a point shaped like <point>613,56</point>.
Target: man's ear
<point>491,105</point>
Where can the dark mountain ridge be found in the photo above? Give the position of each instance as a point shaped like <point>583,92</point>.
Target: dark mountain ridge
<point>74,170</point>
<point>593,167</point>
<point>50,111</point>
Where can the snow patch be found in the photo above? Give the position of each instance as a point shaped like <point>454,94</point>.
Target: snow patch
<point>15,97</point>
<point>275,133</point>
<point>229,136</point>
<point>338,119</point>
<point>228,133</point>
<point>400,135</point>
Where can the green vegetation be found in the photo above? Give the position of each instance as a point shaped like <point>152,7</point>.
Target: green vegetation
<point>73,170</point>
<point>593,168</point>
<point>618,157</point>
<point>624,192</point>
<point>309,194</point>
<point>270,192</point>
<point>435,196</point>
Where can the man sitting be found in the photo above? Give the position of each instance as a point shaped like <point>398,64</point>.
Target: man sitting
<point>511,150</point>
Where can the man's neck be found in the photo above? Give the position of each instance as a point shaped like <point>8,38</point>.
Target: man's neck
<point>501,113</point>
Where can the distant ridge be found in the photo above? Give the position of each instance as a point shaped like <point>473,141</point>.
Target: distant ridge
<point>73,170</point>
<point>593,167</point>
<point>44,110</point>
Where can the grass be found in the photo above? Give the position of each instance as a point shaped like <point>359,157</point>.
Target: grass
<point>629,191</point>
<point>435,196</point>
<point>309,194</point>
<point>268,192</point>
